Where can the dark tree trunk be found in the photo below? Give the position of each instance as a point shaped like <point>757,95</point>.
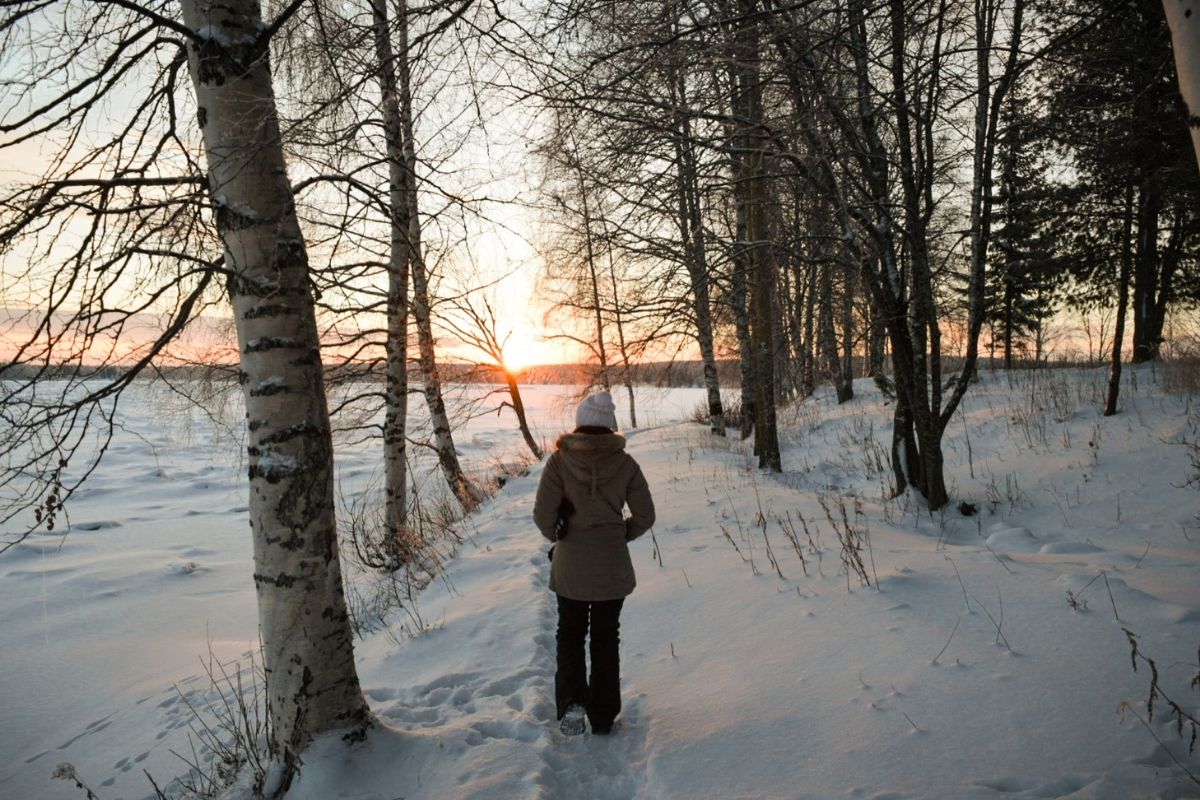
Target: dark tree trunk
<point>760,253</point>
<point>518,407</point>
<point>740,294</point>
<point>691,230</point>
<point>845,391</point>
<point>809,369</point>
<point>830,352</point>
<point>1146,270</point>
<point>1114,369</point>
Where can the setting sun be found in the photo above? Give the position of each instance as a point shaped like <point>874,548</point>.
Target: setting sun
<point>523,350</point>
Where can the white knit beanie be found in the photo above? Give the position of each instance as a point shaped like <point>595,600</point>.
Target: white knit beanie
<point>597,410</point>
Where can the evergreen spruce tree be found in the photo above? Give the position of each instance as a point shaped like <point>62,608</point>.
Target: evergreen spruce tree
<point>1112,111</point>
<point>1020,281</point>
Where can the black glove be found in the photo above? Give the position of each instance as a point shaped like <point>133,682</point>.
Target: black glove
<point>565,510</point>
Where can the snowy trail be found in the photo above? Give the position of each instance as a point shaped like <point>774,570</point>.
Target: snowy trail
<point>604,768</point>
<point>483,727</point>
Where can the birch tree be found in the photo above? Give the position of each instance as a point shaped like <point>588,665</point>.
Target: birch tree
<point>468,493</point>
<point>1183,17</point>
<point>312,685</point>
<point>307,642</point>
<point>381,52</point>
<point>395,425</point>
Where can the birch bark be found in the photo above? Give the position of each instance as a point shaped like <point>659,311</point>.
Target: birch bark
<point>312,684</point>
<point>1183,18</point>
<point>395,422</point>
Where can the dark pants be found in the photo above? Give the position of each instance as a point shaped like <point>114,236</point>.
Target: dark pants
<point>601,695</point>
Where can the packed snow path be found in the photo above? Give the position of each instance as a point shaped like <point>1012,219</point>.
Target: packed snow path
<point>470,702</point>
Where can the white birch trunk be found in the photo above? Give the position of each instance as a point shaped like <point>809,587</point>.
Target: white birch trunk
<point>395,421</point>
<point>1183,17</point>
<point>312,685</point>
<point>469,495</point>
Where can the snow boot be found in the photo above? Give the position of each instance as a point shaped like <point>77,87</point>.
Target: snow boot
<point>572,723</point>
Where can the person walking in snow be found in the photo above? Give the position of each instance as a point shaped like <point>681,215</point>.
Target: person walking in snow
<point>586,484</point>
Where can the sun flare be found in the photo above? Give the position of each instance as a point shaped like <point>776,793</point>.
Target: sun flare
<point>522,350</point>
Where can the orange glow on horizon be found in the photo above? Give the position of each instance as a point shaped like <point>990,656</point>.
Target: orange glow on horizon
<point>523,350</point>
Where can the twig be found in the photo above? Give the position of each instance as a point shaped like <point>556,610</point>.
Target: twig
<point>1110,596</point>
<point>960,584</point>
<point>999,560</point>
<point>158,793</point>
<point>1102,574</point>
<point>657,549</point>
<point>1125,706</point>
<point>771,552</point>
<point>1000,637</point>
<point>947,644</point>
<point>789,530</point>
<point>1137,564</point>
<point>729,538</point>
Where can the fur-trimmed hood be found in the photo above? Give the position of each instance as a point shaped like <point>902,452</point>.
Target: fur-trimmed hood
<point>592,458</point>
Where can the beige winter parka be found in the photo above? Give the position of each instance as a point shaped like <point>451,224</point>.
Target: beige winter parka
<point>595,473</point>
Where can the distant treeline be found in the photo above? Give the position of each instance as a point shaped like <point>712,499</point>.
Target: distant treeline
<point>667,374</point>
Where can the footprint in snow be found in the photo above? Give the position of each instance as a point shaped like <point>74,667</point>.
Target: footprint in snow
<point>1014,540</point>
<point>599,767</point>
<point>1069,548</point>
<point>519,730</point>
<point>1059,787</point>
<point>93,728</point>
<point>508,684</point>
<point>97,525</point>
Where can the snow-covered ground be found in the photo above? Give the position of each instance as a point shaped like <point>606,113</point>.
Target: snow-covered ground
<point>986,659</point>
<point>106,630</point>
